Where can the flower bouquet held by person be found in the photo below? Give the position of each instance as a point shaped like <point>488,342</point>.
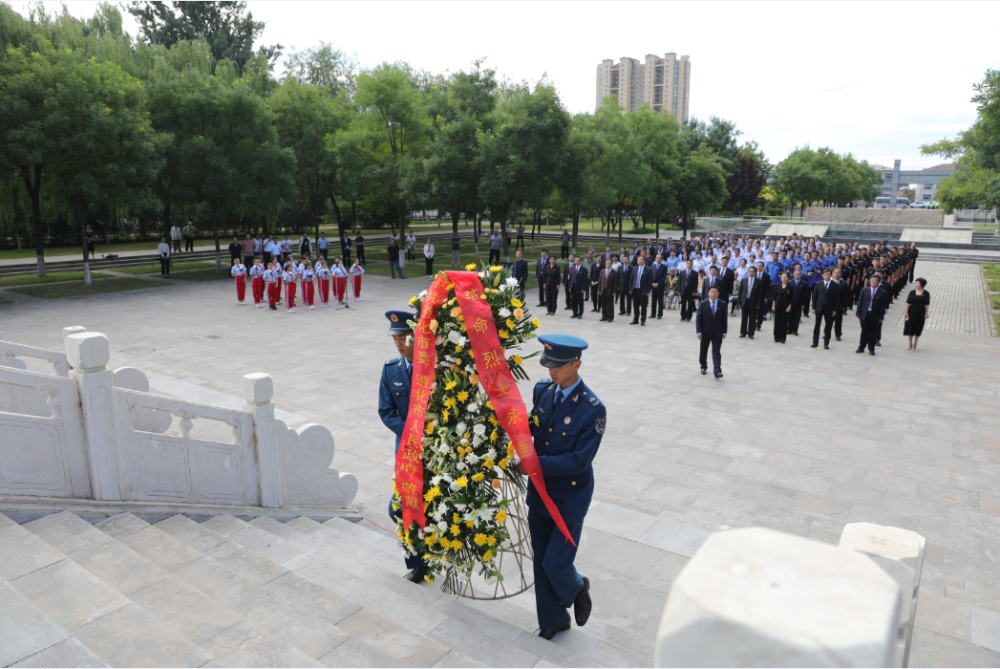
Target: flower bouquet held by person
<point>458,493</point>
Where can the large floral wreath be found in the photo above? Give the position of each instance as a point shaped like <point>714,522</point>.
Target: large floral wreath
<point>466,453</point>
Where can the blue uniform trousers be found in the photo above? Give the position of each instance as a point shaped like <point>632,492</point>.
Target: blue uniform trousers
<point>556,581</point>
<point>412,561</point>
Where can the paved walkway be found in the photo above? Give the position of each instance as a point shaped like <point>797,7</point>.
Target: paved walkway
<point>959,303</point>
<point>797,439</point>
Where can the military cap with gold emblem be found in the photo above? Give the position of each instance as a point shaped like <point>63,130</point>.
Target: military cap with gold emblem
<point>398,322</point>
<point>560,349</point>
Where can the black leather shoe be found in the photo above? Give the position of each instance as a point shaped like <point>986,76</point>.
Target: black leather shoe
<point>871,352</point>
<point>547,634</point>
<point>826,347</point>
<point>838,338</point>
<point>718,373</point>
<point>582,604</point>
<point>633,322</point>
<point>814,346</point>
<point>416,575</point>
<point>860,350</point>
<point>704,370</point>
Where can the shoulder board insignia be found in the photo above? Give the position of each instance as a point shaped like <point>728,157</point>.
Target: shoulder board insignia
<point>595,402</point>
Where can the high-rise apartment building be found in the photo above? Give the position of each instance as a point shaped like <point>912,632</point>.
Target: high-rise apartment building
<point>664,82</point>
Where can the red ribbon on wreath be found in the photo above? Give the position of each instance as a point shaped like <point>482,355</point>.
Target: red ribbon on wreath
<point>495,377</point>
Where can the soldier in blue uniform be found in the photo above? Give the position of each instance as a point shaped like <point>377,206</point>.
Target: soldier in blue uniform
<point>567,422</point>
<point>394,403</point>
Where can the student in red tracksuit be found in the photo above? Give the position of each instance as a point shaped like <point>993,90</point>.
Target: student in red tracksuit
<point>239,271</point>
<point>257,283</point>
<point>288,278</point>
<point>356,271</point>
<point>323,278</point>
<point>308,285</point>
<point>279,277</point>
<point>271,276</point>
<point>339,279</point>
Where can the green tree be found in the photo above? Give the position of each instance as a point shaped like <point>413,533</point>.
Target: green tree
<point>798,179</point>
<point>976,152</point>
<point>619,173</point>
<point>324,65</point>
<point>701,184</point>
<point>658,140</point>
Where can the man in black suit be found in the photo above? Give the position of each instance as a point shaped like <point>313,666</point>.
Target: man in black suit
<point>825,302</point>
<point>539,270</point>
<point>625,294</point>
<point>765,281</point>
<point>750,300</point>
<point>800,296</point>
<point>726,279</point>
<point>843,301</point>
<point>872,303</point>
<point>711,280</point>
<point>520,271</point>
<point>659,270</point>
<point>688,288</point>
<point>712,323</point>
<point>567,280</point>
<point>607,289</point>
<point>579,286</point>
<point>642,283</point>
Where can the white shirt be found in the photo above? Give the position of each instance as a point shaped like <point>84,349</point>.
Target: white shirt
<point>256,271</point>
<point>357,270</point>
<point>238,270</point>
<point>428,250</point>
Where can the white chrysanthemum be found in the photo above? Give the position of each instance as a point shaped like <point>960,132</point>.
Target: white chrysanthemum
<point>472,459</point>
<point>443,526</point>
<point>482,275</point>
<point>462,507</point>
<point>505,312</point>
<point>460,428</point>
<point>449,358</point>
<point>422,294</point>
<point>472,407</point>
<point>409,340</point>
<point>456,338</point>
<point>480,429</point>
<point>460,466</point>
<point>511,281</point>
<point>491,454</point>
<point>477,441</point>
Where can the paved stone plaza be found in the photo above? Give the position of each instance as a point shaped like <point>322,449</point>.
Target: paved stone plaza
<point>797,439</point>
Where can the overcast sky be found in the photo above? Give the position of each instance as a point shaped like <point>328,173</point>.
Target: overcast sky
<point>876,79</point>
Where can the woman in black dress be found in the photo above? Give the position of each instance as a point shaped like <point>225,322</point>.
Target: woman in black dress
<point>781,305</point>
<point>551,279</point>
<point>918,307</point>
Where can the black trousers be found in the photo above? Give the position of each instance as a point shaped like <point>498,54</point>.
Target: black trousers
<point>520,243</point>
<point>494,254</point>
<point>165,266</point>
<point>189,243</point>
<point>594,299</point>
<point>429,262</point>
<point>869,332</point>
<point>551,299</point>
<point>748,319</point>
<point>267,258</point>
<point>794,319</point>
<point>578,297</point>
<point>641,303</point>
<point>781,319</point>
<point>657,303</point>
<point>608,307</point>
<point>716,343</point>
<point>541,293</point>
<point>520,286</point>
<point>177,246</point>
<point>569,296</point>
<point>625,303</point>
<point>361,254</point>
<point>565,252</point>
<point>346,257</point>
<point>248,261</point>
<point>824,316</point>
<point>689,304</point>
<point>838,324</point>
<point>762,312</point>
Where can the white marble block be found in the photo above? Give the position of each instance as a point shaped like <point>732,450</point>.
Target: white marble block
<point>88,351</point>
<point>70,330</point>
<point>257,388</point>
<point>257,392</point>
<point>756,597</point>
<point>901,554</point>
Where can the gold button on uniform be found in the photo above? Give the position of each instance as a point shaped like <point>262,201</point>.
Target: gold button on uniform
<point>573,482</point>
<point>550,429</point>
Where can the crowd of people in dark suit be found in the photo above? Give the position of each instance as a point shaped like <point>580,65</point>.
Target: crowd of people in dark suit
<point>790,278</point>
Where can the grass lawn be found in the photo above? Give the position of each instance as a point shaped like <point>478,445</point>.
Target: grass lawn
<point>176,267</point>
<point>30,279</point>
<point>995,301</point>
<point>55,291</point>
<point>203,275</point>
<point>991,271</point>
<point>4,300</point>
<point>994,285</point>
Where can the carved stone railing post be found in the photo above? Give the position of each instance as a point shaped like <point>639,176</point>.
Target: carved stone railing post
<point>756,597</point>
<point>901,554</point>
<point>88,354</point>
<point>257,392</point>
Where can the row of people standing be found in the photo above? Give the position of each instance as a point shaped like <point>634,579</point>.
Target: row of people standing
<point>273,281</point>
<point>268,248</point>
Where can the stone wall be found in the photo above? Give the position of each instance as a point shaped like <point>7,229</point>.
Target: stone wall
<point>903,218</point>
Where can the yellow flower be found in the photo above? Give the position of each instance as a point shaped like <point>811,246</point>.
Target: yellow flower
<point>503,334</point>
<point>480,539</point>
<point>430,428</point>
<point>503,463</point>
<point>401,538</point>
<point>428,578</point>
<point>470,523</point>
<point>493,419</point>
<point>478,477</point>
<point>413,299</point>
<point>462,482</point>
<point>465,436</point>
<point>490,405</point>
<point>491,540</point>
<point>458,349</point>
<point>511,324</point>
<point>444,415</point>
<point>474,380</point>
<point>488,556</point>
<point>456,530</point>
<point>455,312</point>
<point>535,418</point>
<point>488,464</point>
<point>494,436</point>
<point>427,558</point>
<point>537,323</point>
<point>501,516</point>
<point>519,314</point>
<point>430,495</point>
<point>450,385</point>
<point>518,360</point>
<point>471,266</point>
<point>462,396</point>
<point>455,518</point>
<point>450,402</point>
<point>458,361</point>
<point>496,268</point>
<point>516,303</point>
<point>431,539</point>
<point>433,326</point>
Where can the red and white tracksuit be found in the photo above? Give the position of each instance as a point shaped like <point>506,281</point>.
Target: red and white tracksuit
<point>356,273</point>
<point>257,283</point>
<point>323,277</point>
<point>308,288</point>
<point>271,282</point>
<point>289,281</point>
<point>339,283</point>
<point>239,271</point>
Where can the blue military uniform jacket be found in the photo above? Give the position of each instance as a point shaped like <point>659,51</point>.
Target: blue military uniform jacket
<point>566,448</point>
<point>394,396</point>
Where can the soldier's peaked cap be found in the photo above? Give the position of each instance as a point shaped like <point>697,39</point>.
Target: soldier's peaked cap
<point>397,322</point>
<point>560,349</point>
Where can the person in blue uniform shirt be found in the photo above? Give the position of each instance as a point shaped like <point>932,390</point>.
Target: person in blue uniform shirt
<point>567,422</point>
<point>394,404</point>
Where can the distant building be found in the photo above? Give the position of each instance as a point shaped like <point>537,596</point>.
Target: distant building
<point>662,82</point>
<point>924,182</point>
